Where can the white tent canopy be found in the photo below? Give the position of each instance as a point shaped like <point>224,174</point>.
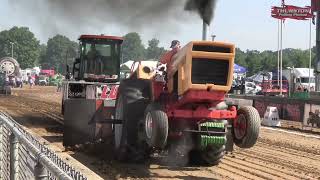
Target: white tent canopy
<point>150,63</point>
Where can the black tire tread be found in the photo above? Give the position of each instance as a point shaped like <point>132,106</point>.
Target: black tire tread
<point>134,101</point>
<point>211,156</point>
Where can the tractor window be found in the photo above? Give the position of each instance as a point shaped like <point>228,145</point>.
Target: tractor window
<point>99,49</point>
<point>101,58</point>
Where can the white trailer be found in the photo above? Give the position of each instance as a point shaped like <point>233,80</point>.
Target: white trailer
<point>300,78</point>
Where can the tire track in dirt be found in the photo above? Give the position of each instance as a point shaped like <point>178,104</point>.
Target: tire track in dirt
<point>272,168</point>
<point>296,167</point>
<point>226,173</point>
<point>236,172</point>
<point>261,169</point>
<point>258,174</point>
<point>307,162</point>
<point>22,105</point>
<point>313,156</point>
<point>291,141</point>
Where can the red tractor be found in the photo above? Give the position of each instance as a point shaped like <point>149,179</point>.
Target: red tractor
<point>186,114</point>
<point>181,110</point>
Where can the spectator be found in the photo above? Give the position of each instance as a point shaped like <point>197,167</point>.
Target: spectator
<point>30,80</point>
<point>243,86</point>
<point>59,84</point>
<point>13,82</point>
<point>36,79</point>
<point>7,82</point>
<point>299,89</point>
<point>19,82</point>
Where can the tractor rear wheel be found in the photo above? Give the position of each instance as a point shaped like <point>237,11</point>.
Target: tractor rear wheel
<point>246,127</point>
<point>128,136</point>
<point>9,65</point>
<point>156,126</point>
<point>210,156</point>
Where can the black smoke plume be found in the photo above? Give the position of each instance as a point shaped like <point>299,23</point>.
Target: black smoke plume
<point>205,8</point>
<point>70,17</point>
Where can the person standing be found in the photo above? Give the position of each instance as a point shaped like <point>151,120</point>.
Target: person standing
<point>59,84</point>
<point>243,86</point>
<point>19,82</point>
<point>7,81</point>
<point>13,82</point>
<point>30,80</point>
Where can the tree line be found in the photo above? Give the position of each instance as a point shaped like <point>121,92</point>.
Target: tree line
<point>256,61</point>
<point>60,50</point>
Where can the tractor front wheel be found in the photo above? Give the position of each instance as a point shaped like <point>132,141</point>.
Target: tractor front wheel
<point>246,127</point>
<point>156,126</point>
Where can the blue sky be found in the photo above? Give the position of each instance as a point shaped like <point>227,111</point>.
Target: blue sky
<point>247,23</point>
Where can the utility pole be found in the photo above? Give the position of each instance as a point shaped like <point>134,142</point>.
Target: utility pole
<point>12,49</point>
<point>318,52</point>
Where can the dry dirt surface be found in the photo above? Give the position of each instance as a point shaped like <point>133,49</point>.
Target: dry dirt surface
<point>277,155</point>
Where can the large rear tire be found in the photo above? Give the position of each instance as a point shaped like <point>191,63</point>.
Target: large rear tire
<point>246,127</point>
<point>9,65</point>
<point>210,156</point>
<point>213,153</point>
<point>156,126</point>
<point>128,136</point>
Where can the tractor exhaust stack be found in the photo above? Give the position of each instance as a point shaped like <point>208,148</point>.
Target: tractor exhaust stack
<point>204,31</point>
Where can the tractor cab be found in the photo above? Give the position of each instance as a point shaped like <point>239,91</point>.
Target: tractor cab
<point>89,98</point>
<point>99,59</point>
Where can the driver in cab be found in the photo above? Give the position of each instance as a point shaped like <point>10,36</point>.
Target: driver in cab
<point>92,56</point>
<point>166,58</point>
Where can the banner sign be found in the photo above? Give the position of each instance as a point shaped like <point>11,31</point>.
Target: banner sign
<point>291,12</point>
<point>315,5</point>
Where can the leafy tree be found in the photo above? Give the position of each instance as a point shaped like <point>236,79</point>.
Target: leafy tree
<point>42,54</point>
<point>132,47</point>
<point>60,51</point>
<point>256,61</point>
<point>240,57</point>
<point>154,51</point>
<point>25,47</point>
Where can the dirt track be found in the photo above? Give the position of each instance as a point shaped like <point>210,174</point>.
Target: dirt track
<point>278,155</point>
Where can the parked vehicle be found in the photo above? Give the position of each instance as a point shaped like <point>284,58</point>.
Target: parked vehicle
<point>252,88</point>
<point>43,80</point>
<point>299,78</point>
